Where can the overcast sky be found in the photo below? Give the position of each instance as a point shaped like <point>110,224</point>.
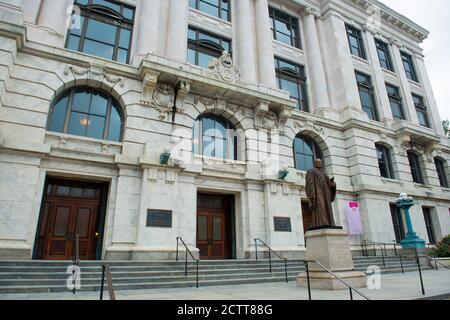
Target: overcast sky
<point>433,15</point>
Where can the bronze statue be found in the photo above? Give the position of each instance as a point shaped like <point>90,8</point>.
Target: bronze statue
<point>321,192</point>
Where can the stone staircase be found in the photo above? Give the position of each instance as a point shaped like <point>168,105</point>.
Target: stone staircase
<point>51,276</point>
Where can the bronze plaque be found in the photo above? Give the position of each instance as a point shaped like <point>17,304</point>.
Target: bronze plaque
<point>159,218</point>
<point>282,224</point>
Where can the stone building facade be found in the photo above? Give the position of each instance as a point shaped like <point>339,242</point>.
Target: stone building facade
<point>132,177</point>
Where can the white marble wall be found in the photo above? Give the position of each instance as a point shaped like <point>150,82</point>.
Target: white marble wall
<point>30,80</point>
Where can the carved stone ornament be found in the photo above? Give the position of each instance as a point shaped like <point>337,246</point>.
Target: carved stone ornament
<point>163,99</point>
<point>270,121</point>
<point>94,73</point>
<point>222,68</point>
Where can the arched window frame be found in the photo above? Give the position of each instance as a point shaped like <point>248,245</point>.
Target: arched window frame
<point>69,94</point>
<point>231,137</point>
<point>316,151</point>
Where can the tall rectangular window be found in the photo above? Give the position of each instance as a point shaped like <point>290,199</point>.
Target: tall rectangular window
<point>421,110</point>
<point>355,41</point>
<point>285,27</point>
<point>384,161</point>
<point>442,174</point>
<point>384,55</point>
<point>409,67</point>
<point>367,95</point>
<point>216,8</point>
<point>291,77</point>
<point>416,169</point>
<point>204,46</point>
<point>429,224</point>
<point>396,102</point>
<point>397,221</point>
<point>104,28</point>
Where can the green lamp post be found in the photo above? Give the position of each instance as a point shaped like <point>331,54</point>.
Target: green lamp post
<point>412,240</point>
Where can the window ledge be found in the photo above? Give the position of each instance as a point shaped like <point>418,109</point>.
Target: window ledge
<point>422,186</point>
<point>358,59</point>
<point>65,136</point>
<point>389,72</point>
<point>447,190</point>
<point>218,160</point>
<point>288,47</point>
<point>387,180</point>
<point>417,84</point>
<point>210,16</point>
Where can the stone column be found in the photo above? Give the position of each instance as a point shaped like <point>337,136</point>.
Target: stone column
<point>176,46</point>
<point>245,41</point>
<point>265,44</point>
<point>383,104</point>
<point>433,111</point>
<point>316,71</point>
<point>54,15</point>
<point>146,38</point>
<point>408,103</point>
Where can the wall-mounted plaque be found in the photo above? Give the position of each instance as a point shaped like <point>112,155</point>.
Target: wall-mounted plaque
<point>282,224</point>
<point>159,218</point>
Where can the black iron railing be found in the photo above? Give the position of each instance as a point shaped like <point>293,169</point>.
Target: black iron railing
<point>76,262</point>
<point>345,283</point>
<point>375,245</point>
<point>179,239</point>
<point>270,257</point>
<point>106,270</point>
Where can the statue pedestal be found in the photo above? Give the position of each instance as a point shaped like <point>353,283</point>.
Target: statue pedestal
<point>330,248</point>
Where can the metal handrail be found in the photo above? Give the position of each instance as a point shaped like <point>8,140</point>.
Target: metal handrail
<point>380,245</point>
<point>76,263</point>
<point>348,285</point>
<point>435,262</point>
<point>106,270</point>
<point>186,258</point>
<point>270,257</point>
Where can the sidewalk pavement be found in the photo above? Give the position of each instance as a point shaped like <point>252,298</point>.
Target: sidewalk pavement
<point>393,287</point>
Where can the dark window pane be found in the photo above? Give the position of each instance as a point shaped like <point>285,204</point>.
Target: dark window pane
<point>291,87</point>
<point>191,56</point>
<point>204,59</point>
<point>125,36</point>
<point>122,56</point>
<point>100,31</point>
<point>98,49</point>
<point>204,7</point>
<point>283,38</point>
<point>115,125</point>
<point>128,13</point>
<point>59,116</point>
<point>108,4</point>
<point>74,43</point>
<point>77,124</point>
<point>81,101</point>
<point>99,104</point>
<point>95,127</point>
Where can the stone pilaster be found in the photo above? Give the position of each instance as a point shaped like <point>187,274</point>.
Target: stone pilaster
<point>176,47</point>
<point>265,44</point>
<point>245,40</point>
<point>54,15</point>
<point>316,71</point>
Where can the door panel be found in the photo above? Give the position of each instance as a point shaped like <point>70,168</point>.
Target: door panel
<point>213,226</point>
<point>67,212</point>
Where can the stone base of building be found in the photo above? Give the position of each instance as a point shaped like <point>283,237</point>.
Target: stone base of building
<point>330,248</point>
<point>15,254</point>
<point>147,255</point>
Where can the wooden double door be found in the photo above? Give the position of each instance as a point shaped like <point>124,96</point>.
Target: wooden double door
<point>214,228</point>
<point>70,209</point>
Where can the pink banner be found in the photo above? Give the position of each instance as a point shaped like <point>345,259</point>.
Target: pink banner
<point>354,218</point>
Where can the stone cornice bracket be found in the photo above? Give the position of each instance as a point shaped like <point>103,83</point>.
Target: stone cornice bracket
<point>163,99</point>
<point>149,81</point>
<point>261,109</point>
<point>93,73</point>
<point>183,87</point>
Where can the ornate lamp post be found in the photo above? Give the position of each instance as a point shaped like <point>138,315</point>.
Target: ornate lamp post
<point>412,240</point>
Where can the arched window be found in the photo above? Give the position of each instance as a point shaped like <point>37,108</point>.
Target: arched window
<point>87,112</point>
<point>416,169</point>
<point>215,137</point>
<point>442,173</point>
<point>385,161</point>
<point>306,151</point>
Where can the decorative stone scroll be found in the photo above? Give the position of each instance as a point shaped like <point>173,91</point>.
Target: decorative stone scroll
<point>94,73</point>
<point>222,68</point>
<point>162,99</point>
